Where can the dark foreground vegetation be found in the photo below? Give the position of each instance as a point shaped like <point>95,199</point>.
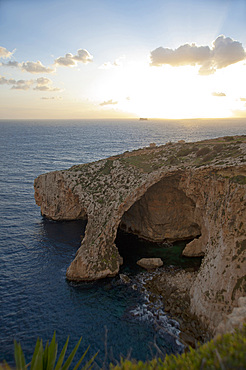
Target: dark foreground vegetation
<point>224,352</point>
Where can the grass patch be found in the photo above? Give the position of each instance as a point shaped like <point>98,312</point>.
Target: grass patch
<point>107,167</point>
<point>239,179</point>
<point>184,152</point>
<point>203,151</point>
<point>142,162</point>
<point>228,138</point>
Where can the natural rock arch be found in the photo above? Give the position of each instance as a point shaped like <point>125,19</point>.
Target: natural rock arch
<point>213,193</point>
<point>163,213</point>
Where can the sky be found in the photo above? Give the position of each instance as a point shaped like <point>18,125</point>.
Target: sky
<point>170,59</point>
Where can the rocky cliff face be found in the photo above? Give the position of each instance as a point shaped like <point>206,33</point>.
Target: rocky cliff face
<point>172,192</point>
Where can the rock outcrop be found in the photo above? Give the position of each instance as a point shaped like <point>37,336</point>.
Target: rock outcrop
<point>175,191</point>
<point>150,263</point>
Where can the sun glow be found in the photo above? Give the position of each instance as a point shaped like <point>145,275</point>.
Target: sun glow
<point>166,92</point>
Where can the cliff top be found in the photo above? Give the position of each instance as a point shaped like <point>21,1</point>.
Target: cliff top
<point>227,150</point>
<point>140,163</point>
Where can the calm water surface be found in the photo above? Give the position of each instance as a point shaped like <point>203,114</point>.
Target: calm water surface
<point>35,298</point>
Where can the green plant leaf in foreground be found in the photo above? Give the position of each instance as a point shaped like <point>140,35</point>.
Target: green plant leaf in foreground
<point>37,358</point>
<point>52,353</point>
<point>62,355</point>
<point>71,356</point>
<point>44,359</point>
<point>19,356</point>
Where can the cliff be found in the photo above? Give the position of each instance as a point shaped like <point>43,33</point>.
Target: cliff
<point>175,191</point>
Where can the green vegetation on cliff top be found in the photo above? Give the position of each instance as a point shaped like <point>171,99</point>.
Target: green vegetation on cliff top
<point>224,352</point>
<point>216,151</point>
<point>221,151</point>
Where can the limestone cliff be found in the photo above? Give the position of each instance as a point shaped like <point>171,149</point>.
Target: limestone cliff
<point>175,191</point>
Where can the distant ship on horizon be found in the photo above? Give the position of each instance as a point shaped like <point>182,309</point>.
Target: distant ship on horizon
<point>143,119</point>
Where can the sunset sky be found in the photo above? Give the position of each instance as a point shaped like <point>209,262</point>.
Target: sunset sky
<point>132,58</point>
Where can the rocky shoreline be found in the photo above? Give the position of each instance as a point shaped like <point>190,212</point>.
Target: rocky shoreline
<point>171,286</point>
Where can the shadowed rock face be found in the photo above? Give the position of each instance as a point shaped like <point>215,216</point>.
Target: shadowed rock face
<point>171,192</point>
<point>164,213</point>
<point>60,202</point>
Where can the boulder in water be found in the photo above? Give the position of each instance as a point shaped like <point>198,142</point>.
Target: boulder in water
<point>150,263</point>
<point>125,279</point>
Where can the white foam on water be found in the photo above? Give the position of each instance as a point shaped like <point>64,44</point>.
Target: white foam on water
<point>154,313</point>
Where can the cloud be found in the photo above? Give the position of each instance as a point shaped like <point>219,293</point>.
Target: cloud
<point>184,55</point>
<point>43,81</point>
<point>115,64</point>
<point>4,81</point>
<point>82,56</point>
<point>218,94</point>
<point>224,52</point>
<point>31,67</point>
<point>51,98</point>
<point>46,88</point>
<point>45,84</point>
<point>42,84</point>
<point>16,85</point>
<point>4,53</point>
<point>22,84</point>
<point>69,60</point>
<point>35,67</point>
<point>20,87</point>
<point>11,64</point>
<point>227,51</point>
<point>108,102</point>
<point>66,61</point>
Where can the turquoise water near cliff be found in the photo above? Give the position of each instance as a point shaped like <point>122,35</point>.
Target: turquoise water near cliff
<point>35,298</point>
<point>132,249</point>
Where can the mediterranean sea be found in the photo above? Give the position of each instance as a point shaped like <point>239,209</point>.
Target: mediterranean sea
<point>35,297</point>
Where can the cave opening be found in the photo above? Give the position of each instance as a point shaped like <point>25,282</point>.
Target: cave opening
<point>70,232</point>
<point>132,248</point>
<point>160,224</point>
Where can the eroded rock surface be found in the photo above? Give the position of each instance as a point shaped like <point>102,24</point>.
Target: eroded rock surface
<point>171,192</point>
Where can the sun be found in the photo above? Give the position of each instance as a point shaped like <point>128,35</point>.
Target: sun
<point>165,92</point>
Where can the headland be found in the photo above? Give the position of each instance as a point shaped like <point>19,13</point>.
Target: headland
<point>177,191</point>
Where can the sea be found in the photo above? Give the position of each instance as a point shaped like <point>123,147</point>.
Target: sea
<point>114,318</point>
